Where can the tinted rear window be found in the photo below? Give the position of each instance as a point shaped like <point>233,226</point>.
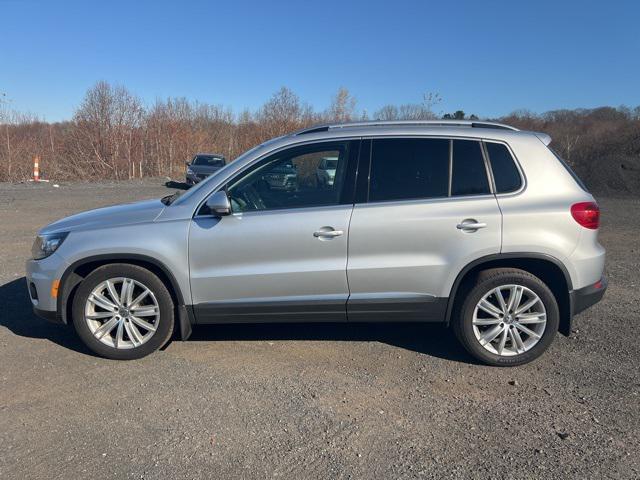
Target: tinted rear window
<point>468,173</point>
<point>505,172</point>
<point>409,168</point>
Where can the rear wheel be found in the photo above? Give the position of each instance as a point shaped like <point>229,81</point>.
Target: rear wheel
<point>123,312</point>
<point>509,317</point>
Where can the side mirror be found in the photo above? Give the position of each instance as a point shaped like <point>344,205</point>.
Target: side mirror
<point>188,164</point>
<point>218,204</point>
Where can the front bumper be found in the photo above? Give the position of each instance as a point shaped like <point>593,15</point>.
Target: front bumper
<point>40,276</point>
<point>588,296</point>
<point>48,315</point>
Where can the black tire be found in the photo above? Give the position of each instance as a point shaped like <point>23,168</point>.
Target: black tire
<point>137,273</point>
<point>484,282</point>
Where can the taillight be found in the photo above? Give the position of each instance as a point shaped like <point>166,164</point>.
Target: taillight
<point>586,214</point>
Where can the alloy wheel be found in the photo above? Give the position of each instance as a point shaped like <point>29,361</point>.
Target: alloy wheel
<point>509,320</point>
<point>122,313</point>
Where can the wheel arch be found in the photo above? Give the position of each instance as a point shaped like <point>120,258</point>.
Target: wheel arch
<point>77,271</point>
<point>546,267</point>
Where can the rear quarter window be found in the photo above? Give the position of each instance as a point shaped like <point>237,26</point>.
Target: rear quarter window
<point>505,172</point>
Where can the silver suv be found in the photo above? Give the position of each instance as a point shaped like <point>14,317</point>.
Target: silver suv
<point>476,225</point>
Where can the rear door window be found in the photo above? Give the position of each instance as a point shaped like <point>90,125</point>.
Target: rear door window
<point>468,171</point>
<point>409,168</point>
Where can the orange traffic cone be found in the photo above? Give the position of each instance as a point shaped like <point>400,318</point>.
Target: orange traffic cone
<point>36,168</point>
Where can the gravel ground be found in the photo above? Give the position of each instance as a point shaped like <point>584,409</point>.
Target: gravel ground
<point>312,401</point>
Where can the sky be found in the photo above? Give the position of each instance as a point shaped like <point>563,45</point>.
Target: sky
<point>484,57</point>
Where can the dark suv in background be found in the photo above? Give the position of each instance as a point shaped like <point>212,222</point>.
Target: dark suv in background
<point>203,165</point>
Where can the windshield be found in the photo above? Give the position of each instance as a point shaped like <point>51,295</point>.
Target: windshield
<point>185,194</point>
<point>208,161</point>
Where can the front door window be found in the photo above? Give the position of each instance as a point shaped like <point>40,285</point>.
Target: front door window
<point>293,179</point>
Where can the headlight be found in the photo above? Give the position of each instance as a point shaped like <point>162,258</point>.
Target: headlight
<point>189,171</point>
<point>45,245</point>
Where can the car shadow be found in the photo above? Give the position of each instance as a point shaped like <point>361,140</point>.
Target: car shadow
<point>17,315</point>
<point>428,339</point>
<point>178,185</point>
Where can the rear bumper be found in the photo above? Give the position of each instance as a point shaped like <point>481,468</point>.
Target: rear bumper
<point>584,298</point>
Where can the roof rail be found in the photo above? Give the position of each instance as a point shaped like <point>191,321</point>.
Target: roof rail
<point>385,123</point>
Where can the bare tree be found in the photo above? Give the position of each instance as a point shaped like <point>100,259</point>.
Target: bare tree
<point>388,112</point>
<point>284,112</point>
<point>113,136</point>
<point>411,111</point>
<point>342,108</point>
<point>429,101</point>
<point>105,124</point>
<point>4,120</point>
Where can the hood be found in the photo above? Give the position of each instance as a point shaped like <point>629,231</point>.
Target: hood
<point>117,215</point>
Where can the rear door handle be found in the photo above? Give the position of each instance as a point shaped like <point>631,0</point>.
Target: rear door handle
<point>470,225</point>
<point>327,232</point>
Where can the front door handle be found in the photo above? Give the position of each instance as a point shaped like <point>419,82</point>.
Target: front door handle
<point>327,232</point>
<point>470,225</point>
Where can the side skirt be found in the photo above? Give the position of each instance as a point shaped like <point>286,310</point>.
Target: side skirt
<point>272,311</point>
<point>396,308</point>
<point>365,308</point>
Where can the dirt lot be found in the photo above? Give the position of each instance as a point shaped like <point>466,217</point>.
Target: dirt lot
<point>312,401</point>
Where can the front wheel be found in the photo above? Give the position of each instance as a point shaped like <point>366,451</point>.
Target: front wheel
<point>509,317</point>
<point>123,312</point>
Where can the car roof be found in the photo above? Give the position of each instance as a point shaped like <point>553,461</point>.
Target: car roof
<point>217,155</point>
<point>462,128</point>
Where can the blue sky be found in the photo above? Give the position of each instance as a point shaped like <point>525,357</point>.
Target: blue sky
<point>485,57</point>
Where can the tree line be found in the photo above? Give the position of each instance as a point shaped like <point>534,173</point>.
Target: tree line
<point>113,135</point>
